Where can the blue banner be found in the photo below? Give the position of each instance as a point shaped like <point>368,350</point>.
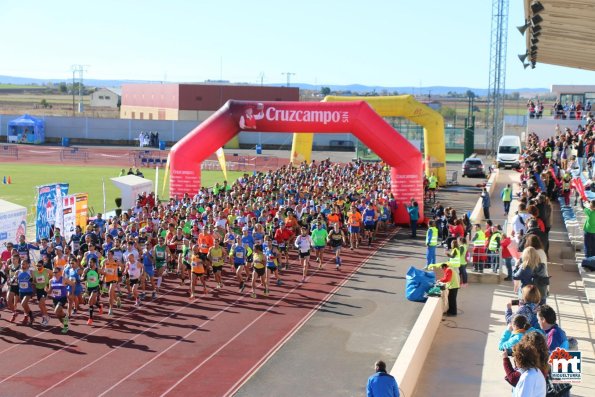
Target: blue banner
<point>49,206</point>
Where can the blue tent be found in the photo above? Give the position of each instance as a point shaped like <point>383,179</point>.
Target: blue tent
<point>27,129</point>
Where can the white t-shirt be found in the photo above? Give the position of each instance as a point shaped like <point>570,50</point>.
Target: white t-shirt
<point>134,270</point>
<point>304,243</point>
<point>531,384</point>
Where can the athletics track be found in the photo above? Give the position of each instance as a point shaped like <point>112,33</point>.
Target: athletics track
<point>173,346</point>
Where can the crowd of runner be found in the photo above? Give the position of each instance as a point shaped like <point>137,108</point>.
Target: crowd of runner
<point>225,237</point>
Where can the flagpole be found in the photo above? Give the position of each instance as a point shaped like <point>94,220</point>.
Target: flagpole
<point>103,187</point>
<point>156,181</point>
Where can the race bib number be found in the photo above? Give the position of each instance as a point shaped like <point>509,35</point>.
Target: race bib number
<point>57,293</point>
<point>282,245</point>
<point>92,279</point>
<point>160,254</point>
<point>204,246</point>
<point>239,254</point>
<point>23,285</point>
<point>39,279</point>
<point>109,271</point>
<point>180,247</point>
<point>368,218</point>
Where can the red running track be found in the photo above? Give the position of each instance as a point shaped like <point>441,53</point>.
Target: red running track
<point>173,346</point>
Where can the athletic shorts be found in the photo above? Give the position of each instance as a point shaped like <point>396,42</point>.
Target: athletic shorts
<point>41,293</point>
<point>272,267</point>
<point>249,258</point>
<point>90,290</point>
<point>432,189</point>
<point>25,294</point>
<point>238,265</point>
<point>259,271</point>
<point>336,248</point>
<point>370,227</point>
<point>110,282</point>
<point>353,229</point>
<point>319,247</point>
<point>150,271</point>
<point>14,289</point>
<point>119,273</point>
<point>283,248</point>
<point>60,301</point>
<point>78,290</point>
<point>200,274</point>
<point>203,256</point>
<point>217,269</point>
<point>134,281</point>
<point>159,265</point>
<point>305,254</point>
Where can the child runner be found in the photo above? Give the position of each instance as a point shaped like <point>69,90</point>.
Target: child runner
<point>57,290</point>
<point>42,276</point>
<point>91,277</point>
<point>25,278</point>
<point>304,244</point>
<point>336,239</point>
<point>258,270</point>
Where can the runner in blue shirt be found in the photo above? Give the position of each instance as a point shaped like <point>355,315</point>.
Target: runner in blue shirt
<point>25,280</point>
<point>369,217</point>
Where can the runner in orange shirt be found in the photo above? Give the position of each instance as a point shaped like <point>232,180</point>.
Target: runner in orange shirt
<point>354,220</point>
<point>205,242</point>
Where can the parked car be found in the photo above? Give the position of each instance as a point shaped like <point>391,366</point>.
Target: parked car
<point>473,166</point>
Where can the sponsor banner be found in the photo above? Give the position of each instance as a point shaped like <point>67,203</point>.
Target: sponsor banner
<point>13,224</point>
<point>67,224</point>
<point>49,208</point>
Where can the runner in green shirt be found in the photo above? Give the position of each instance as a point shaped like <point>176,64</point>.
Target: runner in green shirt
<point>42,276</point>
<point>91,277</point>
<point>319,236</point>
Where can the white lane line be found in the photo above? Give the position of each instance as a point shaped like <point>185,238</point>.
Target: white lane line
<point>189,373</point>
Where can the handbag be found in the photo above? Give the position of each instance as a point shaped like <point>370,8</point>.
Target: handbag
<point>556,389</point>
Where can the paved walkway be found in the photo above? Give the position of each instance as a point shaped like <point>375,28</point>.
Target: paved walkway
<point>465,361</point>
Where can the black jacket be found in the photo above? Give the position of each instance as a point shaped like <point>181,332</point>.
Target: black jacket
<point>537,232</point>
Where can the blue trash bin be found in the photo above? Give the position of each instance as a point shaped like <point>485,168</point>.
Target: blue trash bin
<point>161,145</point>
<point>258,149</point>
<point>65,142</point>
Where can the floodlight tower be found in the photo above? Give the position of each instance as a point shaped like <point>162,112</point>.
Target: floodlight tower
<point>497,83</point>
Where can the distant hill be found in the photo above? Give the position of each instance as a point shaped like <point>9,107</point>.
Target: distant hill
<point>355,88</point>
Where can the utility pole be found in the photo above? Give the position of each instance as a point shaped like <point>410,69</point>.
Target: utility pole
<point>80,69</point>
<point>288,75</point>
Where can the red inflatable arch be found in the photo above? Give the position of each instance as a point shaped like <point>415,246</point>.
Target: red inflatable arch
<point>323,117</point>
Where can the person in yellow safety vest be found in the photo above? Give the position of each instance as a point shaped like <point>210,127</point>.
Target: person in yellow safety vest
<point>494,249</point>
<point>431,243</point>
<point>506,198</point>
<point>458,257</point>
<point>432,185</point>
<point>452,283</point>
<point>479,249</point>
<point>566,185</point>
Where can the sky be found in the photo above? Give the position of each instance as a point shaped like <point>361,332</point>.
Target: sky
<point>374,42</point>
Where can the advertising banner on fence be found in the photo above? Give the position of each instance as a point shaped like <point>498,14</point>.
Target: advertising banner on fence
<point>69,216</point>
<point>13,223</point>
<point>49,208</point>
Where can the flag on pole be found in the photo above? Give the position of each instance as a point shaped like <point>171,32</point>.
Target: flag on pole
<point>156,180</point>
<point>103,186</point>
<point>221,158</point>
<point>165,174</point>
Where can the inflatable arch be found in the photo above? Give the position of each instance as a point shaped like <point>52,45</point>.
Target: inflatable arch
<point>356,117</point>
<point>394,106</point>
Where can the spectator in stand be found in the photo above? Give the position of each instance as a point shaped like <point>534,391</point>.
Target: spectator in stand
<point>485,203</point>
<point>527,358</point>
<point>533,229</point>
<point>555,336</point>
<point>527,306</point>
<point>514,332</point>
<point>519,222</point>
<point>524,272</point>
<point>589,229</point>
<point>513,375</point>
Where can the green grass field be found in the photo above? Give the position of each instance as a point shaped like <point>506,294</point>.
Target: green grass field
<point>82,180</point>
<point>20,86</point>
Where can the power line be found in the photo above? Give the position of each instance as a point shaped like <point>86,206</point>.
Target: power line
<point>288,75</point>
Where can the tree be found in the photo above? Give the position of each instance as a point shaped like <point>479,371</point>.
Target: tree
<point>448,112</point>
<point>44,103</point>
<point>470,94</point>
<point>325,91</point>
<point>63,88</point>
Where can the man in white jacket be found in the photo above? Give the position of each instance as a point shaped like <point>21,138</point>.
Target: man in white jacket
<point>304,244</point>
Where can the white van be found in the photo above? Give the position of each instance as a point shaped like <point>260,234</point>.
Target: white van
<point>509,151</point>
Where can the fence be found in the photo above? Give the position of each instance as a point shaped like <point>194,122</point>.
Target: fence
<point>9,151</point>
